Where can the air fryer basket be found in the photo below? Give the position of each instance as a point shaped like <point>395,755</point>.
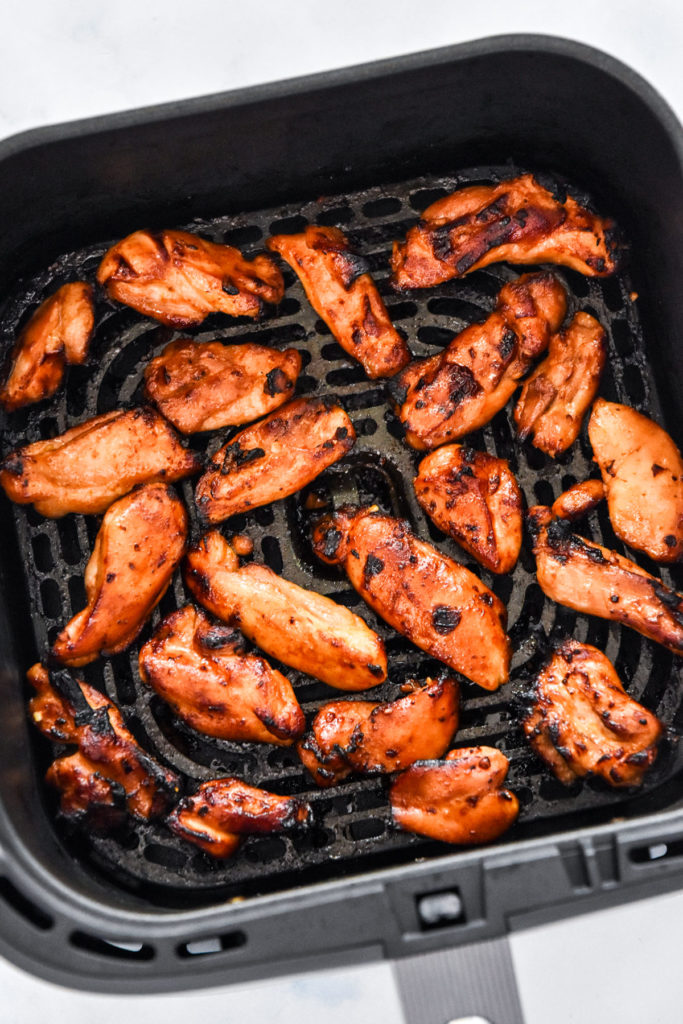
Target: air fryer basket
<point>366,150</point>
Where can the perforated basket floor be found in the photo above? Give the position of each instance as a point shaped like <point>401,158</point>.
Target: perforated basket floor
<point>352,828</point>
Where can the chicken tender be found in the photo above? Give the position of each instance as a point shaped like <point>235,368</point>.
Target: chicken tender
<point>58,333</point>
<point>340,289</point>
<point>138,547</point>
<point>446,396</point>
<point>274,458</point>
<point>439,605</point>
<point>206,386</point>
<point>359,736</point>
<point>223,811</point>
<point>475,499</point>
<point>202,671</point>
<point>642,471</point>
<point>178,278</point>
<point>299,627</point>
<point>583,722</point>
<point>110,773</point>
<point>457,800</point>
<point>91,465</point>
<point>516,221</point>
<point>580,499</point>
<point>592,579</point>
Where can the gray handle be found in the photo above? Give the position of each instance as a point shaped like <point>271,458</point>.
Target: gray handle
<point>472,984</point>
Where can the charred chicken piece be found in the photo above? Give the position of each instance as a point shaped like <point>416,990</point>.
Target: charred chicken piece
<point>339,287</point>
<point>446,396</point>
<point>299,627</point>
<point>223,811</point>
<point>138,547</point>
<point>58,333</point>
<point>91,465</point>
<point>577,501</point>
<point>359,736</point>
<point>439,605</point>
<point>583,722</point>
<point>205,386</point>
<point>592,579</point>
<point>642,471</point>
<point>178,278</point>
<point>475,499</point>
<point>274,458</point>
<point>457,800</point>
<point>110,773</point>
<point>557,395</point>
<point>202,671</point>
<point>516,221</point>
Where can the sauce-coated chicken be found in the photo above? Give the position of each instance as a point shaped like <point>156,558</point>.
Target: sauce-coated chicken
<point>457,800</point>
<point>138,547</point>
<point>223,811</point>
<point>475,499</point>
<point>439,605</point>
<point>179,278</point>
<point>274,458</point>
<point>299,627</point>
<point>592,579</point>
<point>642,471</point>
<point>208,385</point>
<point>202,671</point>
<point>110,773</point>
<point>361,736</point>
<point>340,289</point>
<point>517,221</point>
<point>583,722</point>
<point>446,396</point>
<point>89,466</point>
<point>557,395</point>
<point>580,499</point>
<point>58,333</point>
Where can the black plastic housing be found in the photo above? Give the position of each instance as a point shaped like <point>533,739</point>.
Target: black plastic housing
<point>544,102</point>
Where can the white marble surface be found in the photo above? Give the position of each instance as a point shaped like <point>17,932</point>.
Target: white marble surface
<point>61,61</point>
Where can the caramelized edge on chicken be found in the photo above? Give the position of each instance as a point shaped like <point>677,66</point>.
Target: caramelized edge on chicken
<point>582,722</point>
<point>458,800</point>
<point>516,221</point>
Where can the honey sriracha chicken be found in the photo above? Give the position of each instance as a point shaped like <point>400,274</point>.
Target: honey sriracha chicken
<point>439,605</point>
<point>516,221</point>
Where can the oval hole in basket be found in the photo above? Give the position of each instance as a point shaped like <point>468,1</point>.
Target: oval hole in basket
<point>24,906</point>
<point>209,945</point>
<point>117,950</point>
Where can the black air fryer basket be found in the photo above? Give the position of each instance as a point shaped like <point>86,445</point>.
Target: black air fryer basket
<point>365,149</point>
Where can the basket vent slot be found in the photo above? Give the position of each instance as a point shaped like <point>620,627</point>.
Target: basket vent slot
<point>116,950</point>
<point>212,944</point>
<point>24,906</point>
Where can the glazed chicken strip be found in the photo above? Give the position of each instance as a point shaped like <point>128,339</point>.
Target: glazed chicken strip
<point>110,773</point>
<point>475,499</point>
<point>223,811</point>
<point>179,278</point>
<point>446,396</point>
<point>339,287</point>
<point>597,581</point>
<point>138,547</point>
<point>642,471</point>
<point>457,800</point>
<point>359,736</point>
<point>91,465</point>
<point>202,671</point>
<point>580,499</point>
<point>299,627</point>
<point>557,395</point>
<point>439,605</point>
<point>516,221</point>
<point>583,722</point>
<point>274,458</point>
<point>208,385</point>
<point>58,333</point>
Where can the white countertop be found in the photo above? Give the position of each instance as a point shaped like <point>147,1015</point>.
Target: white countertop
<point>62,61</point>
